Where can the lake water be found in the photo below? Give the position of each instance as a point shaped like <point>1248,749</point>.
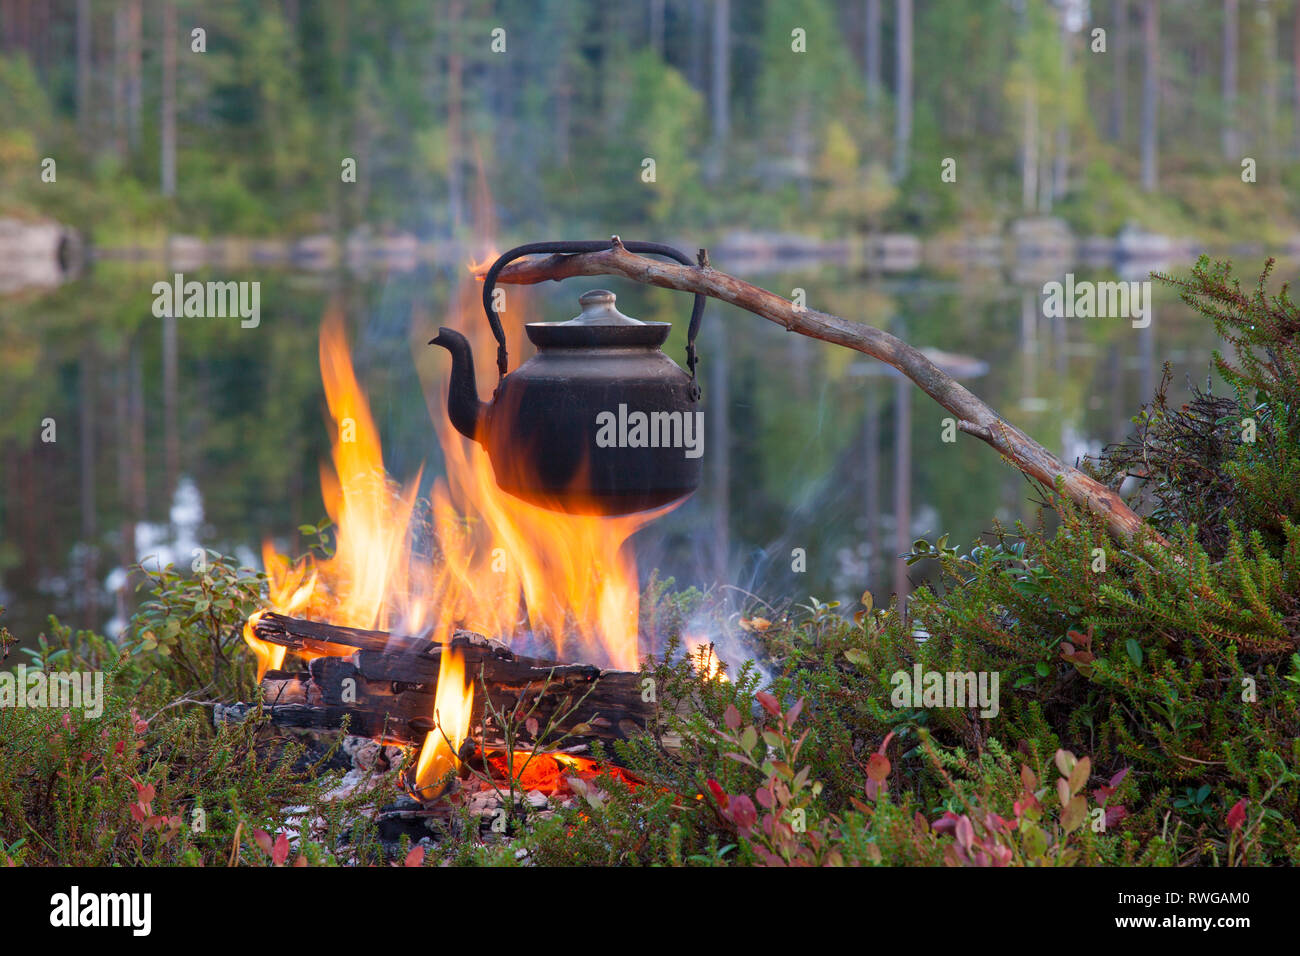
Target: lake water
<point>803,451</point>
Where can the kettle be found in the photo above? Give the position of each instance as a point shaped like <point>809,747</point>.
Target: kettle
<point>600,420</point>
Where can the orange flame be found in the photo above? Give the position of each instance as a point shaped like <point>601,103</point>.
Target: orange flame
<point>572,574</point>
<point>453,704</point>
<point>500,565</point>
<point>367,582</point>
<point>704,658</point>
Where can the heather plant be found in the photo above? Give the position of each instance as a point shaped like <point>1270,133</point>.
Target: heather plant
<point>1226,458</point>
<point>1176,658</point>
<point>153,780</point>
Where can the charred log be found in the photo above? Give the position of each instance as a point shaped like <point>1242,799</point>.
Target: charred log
<point>384,686</point>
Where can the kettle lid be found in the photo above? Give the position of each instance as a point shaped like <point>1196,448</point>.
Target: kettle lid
<point>598,308</point>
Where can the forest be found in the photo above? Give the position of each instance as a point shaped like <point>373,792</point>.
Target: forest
<point>801,115</point>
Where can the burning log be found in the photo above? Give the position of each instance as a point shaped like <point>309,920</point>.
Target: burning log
<point>385,684</point>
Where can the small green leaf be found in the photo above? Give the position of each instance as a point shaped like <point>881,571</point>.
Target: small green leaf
<point>1134,651</point>
<point>1034,839</point>
<point>1065,762</point>
<point>1074,815</point>
<point>1079,775</point>
<point>857,657</point>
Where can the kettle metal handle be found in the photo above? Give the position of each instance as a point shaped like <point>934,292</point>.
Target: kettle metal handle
<point>599,245</point>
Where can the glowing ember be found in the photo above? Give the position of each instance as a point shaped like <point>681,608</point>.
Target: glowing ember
<point>547,773</point>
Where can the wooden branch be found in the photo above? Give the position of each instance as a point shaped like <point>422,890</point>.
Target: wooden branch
<point>386,685</point>
<point>974,416</point>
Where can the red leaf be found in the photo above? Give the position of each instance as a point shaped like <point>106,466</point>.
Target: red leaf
<point>743,812</point>
<point>731,717</point>
<point>1237,815</point>
<point>793,713</point>
<point>147,794</point>
<point>770,703</point>
<point>946,823</point>
<point>415,857</point>
<point>965,832</point>
<point>877,768</point>
<point>995,822</point>
<point>263,840</point>
<point>280,852</point>
<point>719,794</point>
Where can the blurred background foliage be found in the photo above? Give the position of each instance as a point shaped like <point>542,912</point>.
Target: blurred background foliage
<point>745,130</point>
<point>457,143</point>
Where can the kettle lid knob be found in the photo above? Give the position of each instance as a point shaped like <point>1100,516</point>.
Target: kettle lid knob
<point>598,309</point>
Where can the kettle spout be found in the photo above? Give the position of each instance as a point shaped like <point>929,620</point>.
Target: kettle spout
<point>463,406</point>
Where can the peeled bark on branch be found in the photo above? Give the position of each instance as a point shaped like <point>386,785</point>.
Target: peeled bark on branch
<point>973,416</point>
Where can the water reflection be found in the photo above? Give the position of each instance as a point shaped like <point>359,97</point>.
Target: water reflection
<point>189,433</point>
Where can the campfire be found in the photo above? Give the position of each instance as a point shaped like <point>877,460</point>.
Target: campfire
<point>427,622</point>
